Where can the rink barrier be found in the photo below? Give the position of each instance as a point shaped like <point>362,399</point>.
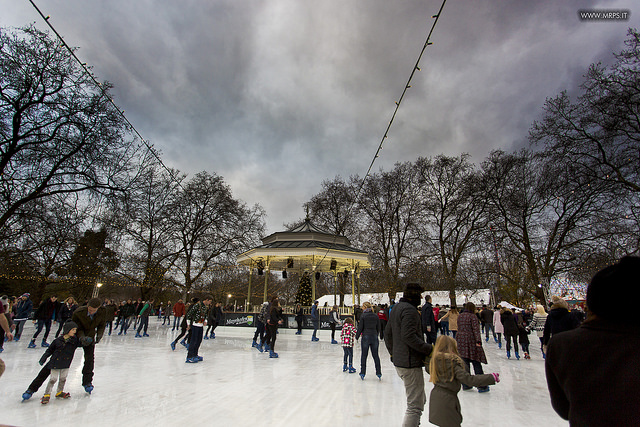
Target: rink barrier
<point>289,321</point>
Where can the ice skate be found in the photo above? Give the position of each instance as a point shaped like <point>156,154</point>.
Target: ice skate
<point>254,344</point>
<point>199,358</point>
<point>88,388</point>
<point>379,376</point>
<point>145,334</point>
<point>526,355</point>
<point>184,344</point>
<point>334,342</point>
<point>44,344</point>
<point>508,354</point>
<point>213,335</point>
<point>362,377</point>
<point>260,347</point>
<point>517,356</point>
<point>273,354</point>
<point>27,395</point>
<point>483,389</point>
<point>206,337</point>
<point>352,370</point>
<point>345,368</point>
<point>45,399</point>
<point>32,344</point>
<point>63,395</point>
<point>192,360</point>
<point>173,346</point>
<point>138,335</point>
<point>500,344</point>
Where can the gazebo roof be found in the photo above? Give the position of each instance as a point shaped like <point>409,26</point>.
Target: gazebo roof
<point>306,246</point>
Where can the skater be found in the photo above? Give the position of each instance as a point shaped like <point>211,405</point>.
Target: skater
<point>559,320</point>
<point>217,319</point>
<point>497,325</point>
<point>110,310</point>
<point>260,327</point>
<point>178,313</point>
<point>452,318</point>
<point>487,318</point>
<point>315,319</point>
<point>383,316</point>
<point>369,329</point>
<point>65,312</point>
<point>61,352</point>
<point>299,318</point>
<point>183,331</point>
<point>444,323</point>
<point>334,320</point>
<point>405,342</point>
<point>523,334</point>
<point>447,372</point>
<point>5,327</point>
<point>274,318</point>
<point>44,315</point>
<point>592,371</point>
<point>23,313</point>
<point>510,331</point>
<point>127,313</point>
<point>167,314</point>
<point>196,316</point>
<point>347,338</point>
<point>470,343</point>
<point>91,321</point>
<point>429,321</point>
<point>143,315</point>
<point>537,324</point>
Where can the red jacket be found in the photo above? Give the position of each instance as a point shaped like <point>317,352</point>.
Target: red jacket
<point>179,309</point>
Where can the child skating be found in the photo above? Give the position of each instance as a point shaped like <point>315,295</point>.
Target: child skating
<point>448,373</point>
<point>61,352</point>
<point>348,337</point>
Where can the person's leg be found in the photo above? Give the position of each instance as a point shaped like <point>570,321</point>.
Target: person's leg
<point>345,358</point>
<point>52,381</point>
<point>413,379</point>
<point>376,358</point>
<point>350,353</point>
<point>194,343</point>
<point>274,335</point>
<point>363,356</point>
<point>47,329</point>
<point>87,369</point>
<point>62,380</point>
<point>40,325</point>
<point>60,325</point>
<point>20,326</point>
<point>198,339</point>
<point>146,324</point>
<point>333,332</point>
<point>467,362</point>
<point>39,379</point>
<point>454,334</point>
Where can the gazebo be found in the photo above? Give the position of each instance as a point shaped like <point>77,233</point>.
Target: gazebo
<point>304,248</point>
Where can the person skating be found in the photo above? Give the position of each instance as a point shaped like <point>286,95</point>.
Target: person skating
<point>537,324</point>
<point>65,312</point>
<point>369,330</point>
<point>23,311</point>
<point>61,352</point>
<point>196,316</point>
<point>470,343</point>
<point>315,319</point>
<point>44,315</point>
<point>334,320</point>
<point>274,319</point>
<point>429,324</point>
<point>404,340</point>
<point>260,327</point>
<point>511,331</point>
<point>143,315</point>
<point>348,338</point>
<point>299,318</point>
<point>91,321</point>
<point>447,373</point>
<point>179,310</point>
<point>183,331</point>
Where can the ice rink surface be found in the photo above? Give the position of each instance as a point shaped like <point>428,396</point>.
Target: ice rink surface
<point>141,382</point>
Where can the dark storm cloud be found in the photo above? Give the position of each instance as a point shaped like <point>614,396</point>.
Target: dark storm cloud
<point>278,95</point>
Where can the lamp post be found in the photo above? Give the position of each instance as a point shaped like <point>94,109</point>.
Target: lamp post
<point>96,289</point>
<point>228,297</point>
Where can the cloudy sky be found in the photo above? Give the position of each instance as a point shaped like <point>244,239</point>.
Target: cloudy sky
<point>278,95</point>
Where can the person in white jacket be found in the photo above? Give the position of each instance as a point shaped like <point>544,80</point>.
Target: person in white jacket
<point>538,322</point>
<point>497,324</point>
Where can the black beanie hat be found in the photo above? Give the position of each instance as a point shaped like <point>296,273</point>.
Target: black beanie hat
<point>618,281</point>
<point>68,325</point>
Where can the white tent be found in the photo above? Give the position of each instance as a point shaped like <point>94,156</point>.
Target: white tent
<point>375,299</point>
<point>476,296</point>
<point>509,306</point>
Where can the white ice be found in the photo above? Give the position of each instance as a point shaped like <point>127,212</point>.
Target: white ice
<point>141,382</point>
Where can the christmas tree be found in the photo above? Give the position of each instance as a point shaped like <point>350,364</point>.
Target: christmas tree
<point>303,296</point>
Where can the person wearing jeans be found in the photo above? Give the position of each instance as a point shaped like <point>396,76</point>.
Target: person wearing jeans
<point>369,330</point>
<point>196,317</point>
<point>315,319</point>
<point>404,340</point>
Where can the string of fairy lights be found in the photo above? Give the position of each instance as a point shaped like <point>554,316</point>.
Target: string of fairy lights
<point>151,149</point>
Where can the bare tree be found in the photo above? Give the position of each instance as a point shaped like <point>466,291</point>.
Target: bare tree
<point>59,133</point>
<point>454,206</point>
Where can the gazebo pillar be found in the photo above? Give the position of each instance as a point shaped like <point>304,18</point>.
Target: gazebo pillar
<point>353,286</point>
<point>248,304</point>
<point>313,284</point>
<point>266,281</point>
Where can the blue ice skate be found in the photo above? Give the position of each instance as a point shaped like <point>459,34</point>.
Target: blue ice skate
<point>44,343</point>
<point>32,344</point>
<point>273,354</point>
<point>192,360</point>
<point>88,388</point>
<point>27,395</point>
<point>173,346</point>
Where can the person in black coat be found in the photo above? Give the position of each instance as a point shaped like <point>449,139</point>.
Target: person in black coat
<point>429,327</point>
<point>511,331</point>
<point>45,314</point>
<point>559,320</point>
<point>369,330</point>
<point>593,371</point>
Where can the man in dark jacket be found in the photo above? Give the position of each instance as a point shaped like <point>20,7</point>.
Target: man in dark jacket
<point>91,321</point>
<point>405,342</point>
<point>45,314</point>
<point>559,319</point>
<point>486,316</point>
<point>429,321</point>
<point>593,371</point>
<point>23,312</point>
